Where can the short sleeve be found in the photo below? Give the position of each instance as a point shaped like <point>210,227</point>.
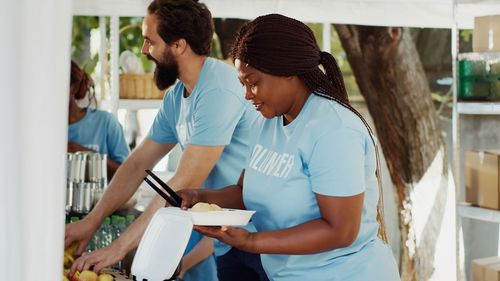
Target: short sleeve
<point>217,114</point>
<point>337,163</point>
<point>162,130</point>
<point>117,145</point>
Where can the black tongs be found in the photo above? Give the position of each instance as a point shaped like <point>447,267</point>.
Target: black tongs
<point>174,199</point>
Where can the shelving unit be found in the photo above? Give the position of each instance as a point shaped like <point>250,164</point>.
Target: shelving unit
<point>468,211</point>
<point>474,221</point>
<point>131,104</point>
<point>478,108</point>
<point>114,9</point>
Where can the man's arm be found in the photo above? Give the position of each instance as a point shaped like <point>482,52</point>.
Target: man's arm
<point>201,251</point>
<point>123,185</point>
<point>128,178</point>
<point>194,167</point>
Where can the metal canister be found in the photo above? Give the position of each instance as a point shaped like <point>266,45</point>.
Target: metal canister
<point>77,167</point>
<point>69,196</point>
<point>69,162</point>
<point>83,197</point>
<point>96,167</point>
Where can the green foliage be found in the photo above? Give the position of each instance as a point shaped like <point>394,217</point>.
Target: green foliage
<point>131,39</point>
<point>465,35</point>
<point>339,54</point>
<point>317,29</point>
<point>80,43</point>
<point>215,50</point>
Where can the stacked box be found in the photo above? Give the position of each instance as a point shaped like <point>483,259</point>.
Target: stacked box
<point>486,269</point>
<point>486,34</point>
<point>482,185</point>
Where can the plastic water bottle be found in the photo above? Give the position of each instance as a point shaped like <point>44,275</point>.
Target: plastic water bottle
<point>130,220</point>
<point>120,227</point>
<point>106,233</point>
<point>118,224</point>
<point>93,243</point>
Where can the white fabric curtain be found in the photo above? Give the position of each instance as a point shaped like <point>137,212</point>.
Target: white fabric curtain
<point>34,81</point>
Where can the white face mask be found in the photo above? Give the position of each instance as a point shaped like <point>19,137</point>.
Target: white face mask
<point>84,102</point>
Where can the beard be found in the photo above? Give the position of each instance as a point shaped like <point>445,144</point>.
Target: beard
<point>166,71</point>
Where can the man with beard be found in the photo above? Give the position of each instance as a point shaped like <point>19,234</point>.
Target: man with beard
<point>207,115</point>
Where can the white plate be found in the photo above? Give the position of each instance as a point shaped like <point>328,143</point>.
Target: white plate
<point>230,217</point>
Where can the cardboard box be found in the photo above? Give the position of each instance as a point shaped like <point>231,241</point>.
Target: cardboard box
<point>483,267</point>
<point>486,34</point>
<point>492,272</point>
<point>482,185</point>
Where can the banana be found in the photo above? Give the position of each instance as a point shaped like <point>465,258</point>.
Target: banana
<point>71,249</point>
<point>68,260</point>
<point>68,255</point>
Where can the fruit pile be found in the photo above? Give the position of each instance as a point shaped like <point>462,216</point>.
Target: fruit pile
<point>85,275</point>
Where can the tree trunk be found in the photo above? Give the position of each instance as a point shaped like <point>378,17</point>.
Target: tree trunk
<point>391,78</point>
<point>226,30</point>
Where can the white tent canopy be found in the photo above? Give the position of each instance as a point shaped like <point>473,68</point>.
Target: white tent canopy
<point>411,13</point>
<point>34,75</point>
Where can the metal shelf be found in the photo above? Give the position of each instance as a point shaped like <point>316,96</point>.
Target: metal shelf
<point>131,104</point>
<point>121,8</point>
<point>485,56</point>
<point>139,104</point>
<point>482,108</point>
<point>468,211</point>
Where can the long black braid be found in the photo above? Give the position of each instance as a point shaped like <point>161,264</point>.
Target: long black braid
<point>282,46</point>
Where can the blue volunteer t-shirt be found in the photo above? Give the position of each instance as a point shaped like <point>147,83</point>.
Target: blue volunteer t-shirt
<point>100,131</point>
<point>214,114</point>
<point>326,150</point>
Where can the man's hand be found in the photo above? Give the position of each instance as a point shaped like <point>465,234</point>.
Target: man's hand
<point>98,259</point>
<point>80,232</point>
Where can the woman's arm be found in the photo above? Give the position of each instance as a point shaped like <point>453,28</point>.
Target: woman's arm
<point>338,227</point>
<point>228,197</point>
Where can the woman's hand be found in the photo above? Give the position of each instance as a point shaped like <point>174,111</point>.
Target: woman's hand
<point>189,197</point>
<point>75,147</point>
<point>236,237</point>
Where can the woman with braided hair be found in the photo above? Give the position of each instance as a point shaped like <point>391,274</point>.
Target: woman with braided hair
<point>311,175</point>
<point>91,129</point>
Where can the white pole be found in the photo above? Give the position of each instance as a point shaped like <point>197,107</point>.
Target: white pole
<point>102,58</point>
<point>114,33</point>
<point>34,79</point>
<point>327,47</point>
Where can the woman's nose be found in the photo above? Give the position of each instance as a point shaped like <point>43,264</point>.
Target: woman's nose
<point>248,93</point>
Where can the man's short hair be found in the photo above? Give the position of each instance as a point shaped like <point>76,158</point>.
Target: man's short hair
<point>184,19</point>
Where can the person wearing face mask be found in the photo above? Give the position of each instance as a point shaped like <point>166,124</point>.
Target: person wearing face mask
<point>206,114</point>
<point>312,175</point>
<point>91,129</point>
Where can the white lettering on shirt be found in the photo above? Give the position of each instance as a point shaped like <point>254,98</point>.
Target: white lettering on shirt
<point>270,162</point>
<point>94,147</point>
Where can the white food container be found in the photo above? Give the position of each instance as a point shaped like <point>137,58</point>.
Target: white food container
<point>167,236</point>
